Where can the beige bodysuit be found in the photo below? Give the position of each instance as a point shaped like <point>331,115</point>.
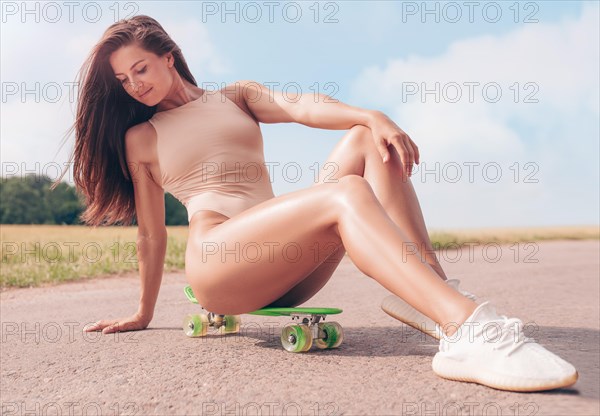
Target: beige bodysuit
<point>210,155</point>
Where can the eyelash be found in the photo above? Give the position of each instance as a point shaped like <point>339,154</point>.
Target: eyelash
<point>141,71</point>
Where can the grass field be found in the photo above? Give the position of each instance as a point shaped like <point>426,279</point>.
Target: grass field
<point>34,255</point>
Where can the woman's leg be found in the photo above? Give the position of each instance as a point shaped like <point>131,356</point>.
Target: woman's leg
<point>257,256</point>
<point>390,184</point>
<point>356,154</point>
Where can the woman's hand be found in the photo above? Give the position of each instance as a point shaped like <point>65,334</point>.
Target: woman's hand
<point>108,326</point>
<point>386,132</point>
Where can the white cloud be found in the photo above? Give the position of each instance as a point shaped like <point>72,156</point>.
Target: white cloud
<point>559,132</point>
<point>197,47</point>
<point>30,138</point>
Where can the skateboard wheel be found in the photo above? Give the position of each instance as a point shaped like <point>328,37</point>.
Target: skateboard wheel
<point>296,338</point>
<point>231,324</point>
<point>332,334</point>
<point>309,336</point>
<point>195,325</point>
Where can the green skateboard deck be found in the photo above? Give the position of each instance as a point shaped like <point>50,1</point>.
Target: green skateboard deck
<point>294,337</point>
<point>274,311</point>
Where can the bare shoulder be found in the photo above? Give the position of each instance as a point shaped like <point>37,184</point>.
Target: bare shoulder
<point>140,143</point>
<point>141,149</point>
<point>242,90</point>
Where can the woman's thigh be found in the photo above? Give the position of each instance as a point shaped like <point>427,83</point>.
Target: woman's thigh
<point>347,158</point>
<point>257,256</point>
<point>313,282</point>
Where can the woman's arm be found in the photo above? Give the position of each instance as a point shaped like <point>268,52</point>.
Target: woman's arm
<point>322,111</point>
<point>151,258</point>
<point>151,254</point>
<point>152,232</point>
<point>311,109</point>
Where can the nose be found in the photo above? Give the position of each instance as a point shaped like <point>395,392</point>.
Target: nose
<point>134,86</point>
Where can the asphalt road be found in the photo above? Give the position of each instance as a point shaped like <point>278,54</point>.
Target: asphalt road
<point>50,366</point>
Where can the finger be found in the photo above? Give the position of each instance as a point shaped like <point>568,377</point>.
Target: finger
<point>383,150</point>
<point>111,328</point>
<point>410,158</point>
<point>416,151</point>
<point>95,326</point>
<point>405,155</point>
<point>90,327</point>
<point>119,326</point>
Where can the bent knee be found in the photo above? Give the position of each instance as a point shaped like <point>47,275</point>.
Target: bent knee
<point>353,190</point>
<point>359,139</point>
<point>359,133</point>
<point>352,181</point>
<point>351,185</point>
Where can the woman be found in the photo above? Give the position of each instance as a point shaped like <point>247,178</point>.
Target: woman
<point>141,107</point>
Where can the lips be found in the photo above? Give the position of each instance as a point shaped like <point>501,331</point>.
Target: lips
<point>146,93</point>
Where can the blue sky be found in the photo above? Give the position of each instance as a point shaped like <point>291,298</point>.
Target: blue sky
<point>546,150</point>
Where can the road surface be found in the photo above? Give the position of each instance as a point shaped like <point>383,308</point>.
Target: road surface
<point>49,366</point>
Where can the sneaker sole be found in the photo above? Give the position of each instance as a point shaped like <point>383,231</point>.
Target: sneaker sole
<point>402,311</point>
<point>459,371</point>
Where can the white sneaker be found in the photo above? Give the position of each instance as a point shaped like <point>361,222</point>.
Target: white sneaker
<point>492,350</point>
<point>397,308</point>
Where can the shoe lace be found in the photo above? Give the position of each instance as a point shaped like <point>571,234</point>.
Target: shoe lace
<point>511,336</point>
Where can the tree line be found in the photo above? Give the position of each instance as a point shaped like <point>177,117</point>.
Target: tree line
<point>29,200</point>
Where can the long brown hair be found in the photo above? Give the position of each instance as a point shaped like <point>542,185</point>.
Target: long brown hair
<point>104,113</point>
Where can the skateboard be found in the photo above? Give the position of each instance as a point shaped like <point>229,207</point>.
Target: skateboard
<point>295,337</point>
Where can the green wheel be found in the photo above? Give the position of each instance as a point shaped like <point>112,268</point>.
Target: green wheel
<point>296,338</point>
<point>332,334</point>
<point>195,325</point>
<point>231,324</point>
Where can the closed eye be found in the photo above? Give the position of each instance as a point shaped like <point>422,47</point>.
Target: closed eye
<point>141,71</point>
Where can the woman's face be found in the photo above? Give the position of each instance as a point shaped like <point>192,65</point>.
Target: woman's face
<point>145,76</point>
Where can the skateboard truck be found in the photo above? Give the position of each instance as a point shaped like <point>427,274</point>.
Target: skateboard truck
<point>312,321</point>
